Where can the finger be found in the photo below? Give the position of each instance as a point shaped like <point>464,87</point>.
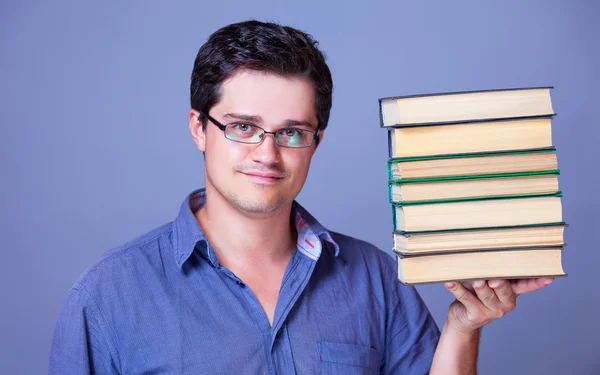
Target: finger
<point>530,285</point>
<point>504,292</point>
<point>486,295</point>
<point>464,296</point>
<point>468,284</point>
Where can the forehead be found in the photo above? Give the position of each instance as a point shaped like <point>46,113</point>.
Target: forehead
<point>272,97</point>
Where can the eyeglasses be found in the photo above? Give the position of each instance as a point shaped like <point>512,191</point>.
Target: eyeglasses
<point>244,132</point>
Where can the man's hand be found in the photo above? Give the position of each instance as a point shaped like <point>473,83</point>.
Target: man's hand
<point>477,304</point>
<point>486,301</point>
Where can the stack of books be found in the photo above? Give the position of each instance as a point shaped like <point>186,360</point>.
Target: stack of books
<point>473,183</point>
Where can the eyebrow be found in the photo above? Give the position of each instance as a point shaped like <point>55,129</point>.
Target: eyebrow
<point>239,116</point>
<point>259,120</point>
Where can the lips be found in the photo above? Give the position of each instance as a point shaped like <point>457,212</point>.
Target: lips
<point>264,174</point>
<point>264,177</point>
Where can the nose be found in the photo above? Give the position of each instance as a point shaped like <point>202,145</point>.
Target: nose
<point>266,152</point>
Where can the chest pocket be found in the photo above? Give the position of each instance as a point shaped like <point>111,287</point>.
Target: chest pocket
<point>347,359</point>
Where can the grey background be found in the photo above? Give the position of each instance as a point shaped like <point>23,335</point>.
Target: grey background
<point>95,148</point>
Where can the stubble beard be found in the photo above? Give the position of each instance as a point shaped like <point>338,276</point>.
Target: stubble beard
<point>255,206</point>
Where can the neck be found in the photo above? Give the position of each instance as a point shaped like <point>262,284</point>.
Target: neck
<point>239,237</point>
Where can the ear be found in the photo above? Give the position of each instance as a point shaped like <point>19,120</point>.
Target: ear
<point>320,137</point>
<point>196,131</point>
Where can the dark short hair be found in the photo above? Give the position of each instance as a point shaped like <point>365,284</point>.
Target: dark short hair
<point>260,46</point>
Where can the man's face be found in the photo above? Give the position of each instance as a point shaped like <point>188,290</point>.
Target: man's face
<point>258,178</point>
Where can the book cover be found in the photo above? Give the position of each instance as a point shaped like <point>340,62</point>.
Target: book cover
<point>474,120</point>
<point>463,92</point>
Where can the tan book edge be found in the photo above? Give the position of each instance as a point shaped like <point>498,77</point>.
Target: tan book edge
<point>465,106</point>
<point>483,213</point>
<point>464,138</point>
<point>480,265</point>
<point>475,188</point>
<point>476,165</point>
<point>479,239</point>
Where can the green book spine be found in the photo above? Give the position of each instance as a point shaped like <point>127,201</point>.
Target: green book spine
<point>472,154</point>
<point>472,177</point>
<point>416,233</point>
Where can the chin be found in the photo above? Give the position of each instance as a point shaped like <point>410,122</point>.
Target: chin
<point>260,207</point>
<point>257,204</point>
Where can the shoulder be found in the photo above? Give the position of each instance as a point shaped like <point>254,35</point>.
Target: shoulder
<point>124,264</point>
<point>366,263</point>
<point>375,267</point>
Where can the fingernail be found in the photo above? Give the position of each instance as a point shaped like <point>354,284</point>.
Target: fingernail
<point>547,281</point>
<point>450,285</point>
<point>478,284</point>
<point>494,283</point>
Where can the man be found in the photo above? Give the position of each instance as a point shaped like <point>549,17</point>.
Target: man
<point>245,280</point>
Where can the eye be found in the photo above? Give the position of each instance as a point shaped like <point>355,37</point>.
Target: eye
<point>242,127</point>
<point>290,132</point>
<point>241,131</point>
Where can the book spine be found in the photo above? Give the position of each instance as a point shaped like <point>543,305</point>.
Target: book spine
<point>390,152</point>
<point>381,113</point>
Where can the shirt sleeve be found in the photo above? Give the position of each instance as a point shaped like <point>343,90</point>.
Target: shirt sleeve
<point>79,345</point>
<point>411,332</point>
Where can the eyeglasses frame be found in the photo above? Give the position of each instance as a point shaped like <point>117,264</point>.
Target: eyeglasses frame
<point>315,138</point>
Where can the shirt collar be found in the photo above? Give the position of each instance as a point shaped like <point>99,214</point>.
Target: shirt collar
<point>188,235</point>
<point>310,232</point>
<point>186,230</point>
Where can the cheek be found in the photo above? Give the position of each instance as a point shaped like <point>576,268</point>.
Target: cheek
<point>215,162</point>
<point>223,155</point>
<point>300,167</point>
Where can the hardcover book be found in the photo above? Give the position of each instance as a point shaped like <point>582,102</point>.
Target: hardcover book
<point>479,186</point>
<point>477,213</point>
<point>470,164</point>
<point>468,106</point>
<point>492,264</point>
<point>550,234</point>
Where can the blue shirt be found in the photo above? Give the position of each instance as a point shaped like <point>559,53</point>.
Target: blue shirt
<point>162,304</point>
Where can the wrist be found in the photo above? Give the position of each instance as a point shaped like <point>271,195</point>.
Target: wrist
<point>455,329</point>
<point>457,350</point>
